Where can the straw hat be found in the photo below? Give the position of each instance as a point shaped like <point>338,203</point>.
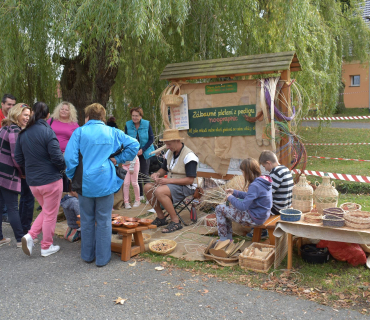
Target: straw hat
<point>170,135</point>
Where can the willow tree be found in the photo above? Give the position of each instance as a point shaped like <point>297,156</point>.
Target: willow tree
<point>115,50</point>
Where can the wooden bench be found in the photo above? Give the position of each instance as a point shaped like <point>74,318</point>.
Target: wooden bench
<point>269,224</point>
<point>127,248</point>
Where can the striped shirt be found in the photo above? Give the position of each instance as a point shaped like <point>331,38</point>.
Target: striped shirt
<point>282,187</point>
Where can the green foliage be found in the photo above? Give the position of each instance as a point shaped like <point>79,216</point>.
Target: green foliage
<point>141,37</point>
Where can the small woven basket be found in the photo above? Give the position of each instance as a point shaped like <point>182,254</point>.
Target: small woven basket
<point>334,211</point>
<point>329,220</point>
<point>256,263</point>
<point>171,97</point>
<point>290,215</point>
<point>171,243</point>
<point>350,206</point>
<point>312,217</point>
<point>357,219</point>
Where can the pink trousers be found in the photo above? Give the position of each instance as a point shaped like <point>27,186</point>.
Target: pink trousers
<point>133,179</point>
<point>48,196</point>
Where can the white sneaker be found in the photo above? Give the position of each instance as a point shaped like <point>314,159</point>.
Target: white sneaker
<point>136,204</point>
<point>147,202</point>
<point>52,249</point>
<point>151,210</point>
<point>27,244</point>
<point>19,244</point>
<point>127,206</point>
<point>142,198</point>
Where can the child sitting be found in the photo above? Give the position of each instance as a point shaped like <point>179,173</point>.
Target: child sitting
<point>249,208</point>
<point>71,209</point>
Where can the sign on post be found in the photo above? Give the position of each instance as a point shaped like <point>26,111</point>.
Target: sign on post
<point>180,114</point>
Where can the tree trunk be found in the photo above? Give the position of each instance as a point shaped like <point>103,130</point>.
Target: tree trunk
<point>82,87</point>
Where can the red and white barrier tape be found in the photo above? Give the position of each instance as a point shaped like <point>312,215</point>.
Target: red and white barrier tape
<point>336,118</point>
<point>337,176</point>
<point>338,159</point>
<point>337,144</point>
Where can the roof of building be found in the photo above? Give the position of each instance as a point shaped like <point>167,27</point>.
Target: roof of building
<point>232,67</point>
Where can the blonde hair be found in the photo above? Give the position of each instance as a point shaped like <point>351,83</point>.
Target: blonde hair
<point>14,113</point>
<point>72,111</point>
<point>267,155</point>
<point>251,170</point>
<point>95,111</point>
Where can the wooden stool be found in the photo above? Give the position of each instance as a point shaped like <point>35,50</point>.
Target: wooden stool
<point>128,249</point>
<point>269,224</point>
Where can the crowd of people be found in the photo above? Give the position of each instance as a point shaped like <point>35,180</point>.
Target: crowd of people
<point>42,156</point>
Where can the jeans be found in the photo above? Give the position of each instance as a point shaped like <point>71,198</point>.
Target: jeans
<point>10,198</point>
<point>96,239</point>
<point>48,196</point>
<point>5,212</point>
<point>144,169</point>
<point>26,206</point>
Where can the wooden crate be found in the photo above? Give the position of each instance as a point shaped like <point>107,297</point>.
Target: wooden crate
<point>256,263</point>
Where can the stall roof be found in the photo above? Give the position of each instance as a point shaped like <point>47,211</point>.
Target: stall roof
<point>232,67</point>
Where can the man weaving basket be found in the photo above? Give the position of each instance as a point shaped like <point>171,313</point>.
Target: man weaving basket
<point>180,164</point>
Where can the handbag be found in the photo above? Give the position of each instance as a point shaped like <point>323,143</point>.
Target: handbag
<point>120,172</point>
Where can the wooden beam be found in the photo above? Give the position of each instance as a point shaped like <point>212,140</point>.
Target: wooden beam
<point>285,156</point>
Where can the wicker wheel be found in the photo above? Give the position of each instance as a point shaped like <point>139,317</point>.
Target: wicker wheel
<point>357,217</point>
<point>162,242</point>
<point>357,225</point>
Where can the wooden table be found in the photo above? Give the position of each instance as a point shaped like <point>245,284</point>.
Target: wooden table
<point>127,249</point>
<point>318,231</point>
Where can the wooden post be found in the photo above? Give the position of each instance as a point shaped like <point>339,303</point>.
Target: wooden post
<point>285,156</point>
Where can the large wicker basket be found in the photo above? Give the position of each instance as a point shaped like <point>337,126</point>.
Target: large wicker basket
<point>256,263</point>
<point>350,206</point>
<point>302,198</point>
<point>171,243</point>
<point>325,195</point>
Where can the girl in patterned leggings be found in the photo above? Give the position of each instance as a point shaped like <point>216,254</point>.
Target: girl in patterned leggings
<point>249,208</point>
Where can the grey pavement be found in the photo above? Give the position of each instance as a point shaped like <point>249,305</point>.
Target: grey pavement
<point>62,286</point>
<point>337,124</point>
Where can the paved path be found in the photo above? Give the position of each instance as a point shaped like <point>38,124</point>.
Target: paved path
<point>62,286</point>
<point>338,124</point>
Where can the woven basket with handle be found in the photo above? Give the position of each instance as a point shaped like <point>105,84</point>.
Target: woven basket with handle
<point>171,97</point>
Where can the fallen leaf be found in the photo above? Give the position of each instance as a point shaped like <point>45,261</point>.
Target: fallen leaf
<point>178,294</point>
<point>168,259</point>
<point>105,282</point>
<point>132,264</point>
<point>119,300</point>
<point>159,268</point>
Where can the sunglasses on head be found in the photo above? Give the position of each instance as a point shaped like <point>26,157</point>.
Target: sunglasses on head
<point>24,106</point>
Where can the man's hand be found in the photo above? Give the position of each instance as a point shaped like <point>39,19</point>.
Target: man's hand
<point>162,181</point>
<point>113,160</point>
<point>155,176</point>
<point>140,152</point>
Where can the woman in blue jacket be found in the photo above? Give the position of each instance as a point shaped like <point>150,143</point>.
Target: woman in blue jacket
<point>142,131</point>
<point>249,208</point>
<point>97,181</point>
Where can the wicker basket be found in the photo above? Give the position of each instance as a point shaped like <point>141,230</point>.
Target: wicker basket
<point>302,197</point>
<point>329,220</point>
<point>171,97</point>
<point>312,217</point>
<point>325,195</point>
<point>350,206</point>
<point>291,215</point>
<point>357,219</point>
<point>256,263</point>
<point>172,244</point>
<point>334,211</point>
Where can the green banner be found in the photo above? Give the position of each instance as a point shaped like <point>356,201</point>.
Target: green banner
<point>221,88</point>
<point>223,121</point>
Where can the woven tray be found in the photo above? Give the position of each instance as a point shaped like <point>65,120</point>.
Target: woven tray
<point>350,206</point>
<point>357,216</point>
<point>334,211</point>
<point>172,243</point>
<point>357,225</point>
<point>330,220</point>
<point>256,263</point>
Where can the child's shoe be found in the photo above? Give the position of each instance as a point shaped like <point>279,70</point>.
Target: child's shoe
<point>136,204</point>
<point>127,205</point>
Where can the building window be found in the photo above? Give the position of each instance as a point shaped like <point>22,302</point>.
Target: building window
<point>355,81</point>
